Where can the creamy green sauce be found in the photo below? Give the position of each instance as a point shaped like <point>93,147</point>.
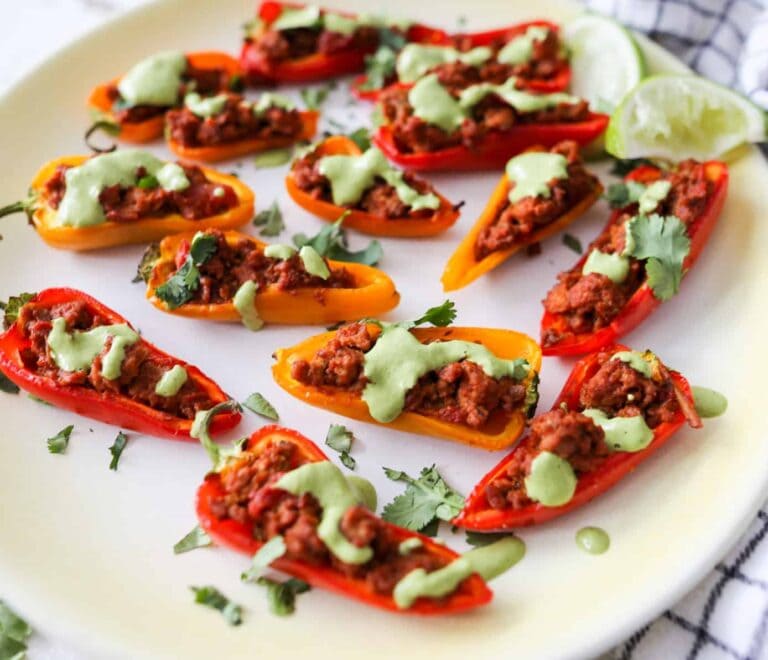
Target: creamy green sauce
<point>488,562</point>
<point>364,491</point>
<point>312,17</point>
<point>653,195</point>
<point>172,381</point>
<point>279,251</point>
<point>351,176</point>
<point>531,173</point>
<point>305,17</point>
<point>332,490</point>
<point>636,360</point>
<point>398,359</point>
<point>409,545</point>
<point>245,304</point>
<point>614,266</point>
<point>415,59</point>
<point>520,49</point>
<point>552,481</point>
<point>708,403</point>
<point>520,100</point>
<point>593,540</point>
<point>80,206</point>
<point>628,434</point>
<point>76,350</point>
<point>205,107</point>
<point>155,80</point>
<point>337,23</point>
<point>314,264</point>
<point>272,100</point>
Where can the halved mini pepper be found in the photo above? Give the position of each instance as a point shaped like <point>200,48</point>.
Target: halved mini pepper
<point>239,536</point>
<point>643,302</point>
<point>374,293</point>
<point>108,233</point>
<point>418,224</point>
<point>150,128</point>
<point>479,515</point>
<point>108,406</point>
<point>499,432</point>
<point>464,267</point>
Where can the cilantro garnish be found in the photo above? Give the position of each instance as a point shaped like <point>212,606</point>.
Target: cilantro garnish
<point>664,244</point>
<point>281,596</point>
<point>213,598</point>
<point>340,438</point>
<point>573,243</point>
<point>273,158</point>
<point>361,137</point>
<point>331,242</point>
<point>219,455</point>
<point>314,97</point>
<point>147,182</point>
<point>271,220</point>
<point>14,633</point>
<point>147,263</point>
<point>7,385</point>
<point>623,166</point>
<point>258,404</point>
<point>181,286</point>
<point>266,554</point>
<point>379,67</point>
<point>440,316</point>
<point>59,442</point>
<point>117,449</point>
<point>194,539</point>
<point>425,500</point>
<point>623,194</point>
<point>13,307</point>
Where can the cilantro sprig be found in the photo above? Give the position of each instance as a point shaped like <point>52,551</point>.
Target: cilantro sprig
<point>213,598</point>
<point>270,220</point>
<point>14,633</point>
<point>440,315</point>
<point>12,308</point>
<point>181,286</point>
<point>281,596</point>
<point>380,66</point>
<point>331,242</point>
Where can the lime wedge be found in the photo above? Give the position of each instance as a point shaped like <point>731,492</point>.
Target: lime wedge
<point>682,116</point>
<point>605,60</point>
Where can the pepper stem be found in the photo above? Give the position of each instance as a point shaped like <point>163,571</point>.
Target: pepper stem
<point>108,127</point>
<point>22,206</point>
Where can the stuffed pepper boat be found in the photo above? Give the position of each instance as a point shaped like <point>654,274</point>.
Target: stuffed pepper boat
<point>128,196</point>
<point>472,385</point>
<point>663,220</point>
<point>137,102</point>
<point>337,178</point>
<point>68,349</point>
<point>530,51</point>
<point>617,408</point>
<point>317,524</point>
<point>433,126</point>
<point>228,276</point>
<point>296,43</point>
<point>540,194</point>
<point>228,125</point>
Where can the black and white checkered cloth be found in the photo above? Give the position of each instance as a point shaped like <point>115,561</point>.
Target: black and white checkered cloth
<point>727,615</point>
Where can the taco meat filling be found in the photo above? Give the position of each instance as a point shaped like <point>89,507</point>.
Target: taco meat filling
<point>201,199</point>
<point>589,302</point>
<point>140,371</point>
<point>492,115</point>
<point>459,393</point>
<point>619,391</point>
<point>205,82</point>
<point>515,222</point>
<point>380,199</point>
<point>248,499</point>
<point>237,121</point>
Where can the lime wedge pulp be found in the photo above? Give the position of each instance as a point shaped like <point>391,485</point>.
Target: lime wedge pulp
<point>682,116</point>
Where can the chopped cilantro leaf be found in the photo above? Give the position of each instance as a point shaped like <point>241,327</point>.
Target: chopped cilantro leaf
<point>181,286</point>
<point>347,460</point>
<point>147,182</point>
<point>573,243</point>
<point>340,438</point>
<point>440,316</point>
<point>379,67</point>
<point>7,385</point>
<point>281,596</point>
<point>14,632</point>
<point>148,259</point>
<point>213,598</point>
<point>258,404</point>
<point>314,97</point>
<point>331,242</point>
<point>13,306</point>
<point>59,442</point>
<point>194,539</point>
<point>271,220</point>
<point>361,137</point>
<point>273,158</point>
<point>623,194</point>
<point>117,449</point>
<point>266,554</point>
<point>203,247</point>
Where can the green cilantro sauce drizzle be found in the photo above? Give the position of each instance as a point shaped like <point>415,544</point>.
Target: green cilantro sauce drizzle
<point>552,481</point>
<point>77,350</point>
<point>314,264</point>
<point>414,60</point>
<point>312,17</point>
<point>520,49</point>
<point>635,360</point>
<point>80,206</point>
<point>172,381</point>
<point>245,304</point>
<point>531,173</point>
<point>409,545</point>
<point>279,251</point>
<point>155,80</point>
<point>351,176</point>
<point>205,107</point>
<point>593,540</point>
<point>628,434</point>
<point>653,195</point>
<point>398,359</point>
<point>708,403</point>
<point>614,266</point>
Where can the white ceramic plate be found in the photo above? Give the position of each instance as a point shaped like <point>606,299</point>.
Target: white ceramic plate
<point>86,554</point>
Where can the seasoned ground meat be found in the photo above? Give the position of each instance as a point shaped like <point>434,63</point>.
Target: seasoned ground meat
<point>620,391</point>
<point>569,434</point>
<point>515,222</point>
<point>141,369</point>
<point>491,115</point>
<point>231,266</point>
<point>380,199</point>
<point>201,199</point>
<point>461,392</point>
<point>248,498</point>
<point>237,121</point>
<point>277,46</point>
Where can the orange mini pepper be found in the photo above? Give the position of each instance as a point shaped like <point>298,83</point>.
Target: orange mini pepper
<point>374,293</point>
<point>418,225</point>
<point>500,432</point>
<point>108,233</point>
<point>152,128</point>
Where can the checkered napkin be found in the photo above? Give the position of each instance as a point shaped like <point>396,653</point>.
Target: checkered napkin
<point>727,615</point>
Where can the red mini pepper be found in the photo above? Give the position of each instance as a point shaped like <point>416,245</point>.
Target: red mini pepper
<point>479,515</point>
<point>317,66</point>
<point>109,407</point>
<point>495,148</point>
<point>643,301</point>
<point>471,593</point>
